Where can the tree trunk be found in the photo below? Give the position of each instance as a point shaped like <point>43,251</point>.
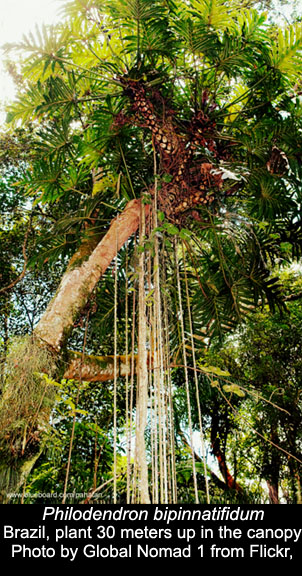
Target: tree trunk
<point>216,447</point>
<point>273,492</point>
<point>81,278</point>
<point>273,479</point>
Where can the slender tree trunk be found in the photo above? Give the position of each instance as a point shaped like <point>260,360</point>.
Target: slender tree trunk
<point>273,480</point>
<point>218,452</point>
<point>273,492</point>
<point>298,488</point>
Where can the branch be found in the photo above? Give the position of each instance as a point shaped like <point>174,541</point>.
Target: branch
<point>96,368</point>
<point>293,297</point>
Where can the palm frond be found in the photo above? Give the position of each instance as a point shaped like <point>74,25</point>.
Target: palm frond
<point>267,196</point>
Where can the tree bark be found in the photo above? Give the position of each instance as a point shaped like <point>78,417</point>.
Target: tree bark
<point>216,447</point>
<point>81,278</point>
<point>96,368</point>
<point>273,480</point>
<point>101,368</point>
<point>273,492</point>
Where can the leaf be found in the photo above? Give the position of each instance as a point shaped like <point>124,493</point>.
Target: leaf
<point>214,370</point>
<point>167,178</point>
<point>214,13</point>
<point>286,51</point>
<point>49,381</point>
<point>185,234</point>
<point>235,389</point>
<point>170,228</point>
<point>80,411</point>
<point>214,383</point>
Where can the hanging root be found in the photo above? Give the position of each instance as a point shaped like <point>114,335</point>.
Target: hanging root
<point>27,399</point>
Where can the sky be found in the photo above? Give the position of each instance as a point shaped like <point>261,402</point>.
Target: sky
<point>18,17</point>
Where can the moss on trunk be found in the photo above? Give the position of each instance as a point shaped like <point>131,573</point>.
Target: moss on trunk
<point>27,400</point>
<point>96,368</point>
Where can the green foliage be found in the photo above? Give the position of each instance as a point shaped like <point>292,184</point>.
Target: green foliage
<point>92,454</point>
<point>82,153</point>
<point>77,99</point>
<point>264,362</point>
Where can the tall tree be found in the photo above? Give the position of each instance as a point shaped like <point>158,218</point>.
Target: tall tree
<point>184,116</point>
